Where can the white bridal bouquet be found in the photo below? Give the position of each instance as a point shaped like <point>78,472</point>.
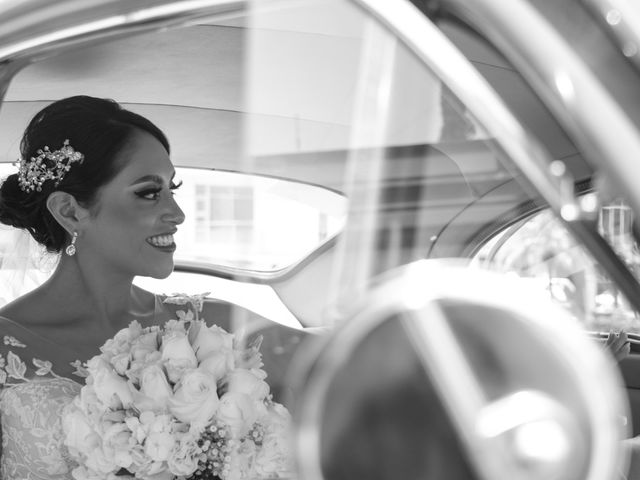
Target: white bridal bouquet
<point>185,401</point>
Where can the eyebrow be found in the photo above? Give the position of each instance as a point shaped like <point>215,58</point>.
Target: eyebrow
<point>151,178</point>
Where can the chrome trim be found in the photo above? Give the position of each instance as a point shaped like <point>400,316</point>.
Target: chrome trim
<point>445,60</point>
<point>571,85</point>
<point>621,19</point>
<point>508,232</point>
<point>255,276</point>
<point>27,36</point>
<point>564,82</point>
<point>7,72</point>
<point>118,18</point>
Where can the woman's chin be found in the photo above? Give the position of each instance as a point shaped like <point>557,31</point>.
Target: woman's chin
<point>160,272</point>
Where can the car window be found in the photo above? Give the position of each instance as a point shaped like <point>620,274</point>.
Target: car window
<point>252,225</point>
<point>541,250</point>
<point>236,224</point>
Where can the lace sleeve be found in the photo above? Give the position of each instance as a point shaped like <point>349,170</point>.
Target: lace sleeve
<point>12,369</point>
<point>32,400</point>
<point>15,366</point>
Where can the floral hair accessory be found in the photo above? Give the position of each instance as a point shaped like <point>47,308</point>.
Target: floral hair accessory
<point>47,165</point>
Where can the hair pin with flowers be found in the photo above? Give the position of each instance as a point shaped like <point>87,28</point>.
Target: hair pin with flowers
<point>47,165</point>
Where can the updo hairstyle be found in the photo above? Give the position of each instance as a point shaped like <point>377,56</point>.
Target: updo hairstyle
<point>98,128</point>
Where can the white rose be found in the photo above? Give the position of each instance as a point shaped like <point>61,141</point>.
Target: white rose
<point>140,460</point>
<point>138,431</point>
<point>88,401</point>
<point>195,400</point>
<point>117,438</point>
<point>275,457</point>
<point>177,355</point>
<point>136,366</point>
<point>144,345</point>
<point>176,369</point>
<point>110,388</point>
<point>155,390</point>
<point>114,416</point>
<point>96,363</point>
<point>150,470</point>
<point>206,341</point>
<point>177,351</point>
<point>249,382</point>
<point>120,362</point>
<point>176,346</point>
<point>80,437</point>
<point>158,446</point>
<point>121,341</point>
<point>218,363</point>
<point>102,461</point>
<point>183,460</point>
<point>238,411</point>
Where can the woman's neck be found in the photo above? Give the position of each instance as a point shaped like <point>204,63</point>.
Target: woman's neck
<point>88,292</point>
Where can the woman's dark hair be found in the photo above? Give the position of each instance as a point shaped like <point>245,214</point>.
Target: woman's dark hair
<point>98,128</point>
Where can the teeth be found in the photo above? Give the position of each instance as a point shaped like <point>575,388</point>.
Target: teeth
<point>161,240</point>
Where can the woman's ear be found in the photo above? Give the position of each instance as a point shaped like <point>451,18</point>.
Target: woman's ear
<point>67,211</point>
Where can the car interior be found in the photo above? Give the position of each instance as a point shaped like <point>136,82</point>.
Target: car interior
<point>322,153</point>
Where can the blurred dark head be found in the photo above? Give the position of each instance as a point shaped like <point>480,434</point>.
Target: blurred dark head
<point>385,421</point>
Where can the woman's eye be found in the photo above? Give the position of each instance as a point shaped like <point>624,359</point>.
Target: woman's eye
<point>154,193</point>
<point>149,194</point>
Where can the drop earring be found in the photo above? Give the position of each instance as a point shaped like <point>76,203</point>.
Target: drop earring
<point>71,249</point>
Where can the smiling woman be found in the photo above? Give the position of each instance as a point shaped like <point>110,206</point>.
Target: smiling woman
<point>95,184</point>
<point>101,129</point>
<point>136,216</point>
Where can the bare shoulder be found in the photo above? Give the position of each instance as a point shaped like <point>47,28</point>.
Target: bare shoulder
<point>26,310</point>
<point>18,335</point>
<point>10,328</point>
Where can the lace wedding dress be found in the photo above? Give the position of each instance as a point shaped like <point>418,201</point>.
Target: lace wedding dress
<point>32,399</point>
<point>34,392</point>
<point>31,404</point>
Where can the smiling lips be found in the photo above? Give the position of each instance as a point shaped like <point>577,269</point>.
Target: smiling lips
<point>163,242</point>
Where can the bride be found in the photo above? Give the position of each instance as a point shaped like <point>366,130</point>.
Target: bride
<point>96,185</point>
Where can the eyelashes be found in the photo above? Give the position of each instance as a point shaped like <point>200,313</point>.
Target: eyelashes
<point>149,193</point>
<point>154,192</point>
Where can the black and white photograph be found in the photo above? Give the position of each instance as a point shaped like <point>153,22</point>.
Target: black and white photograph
<point>319,240</point>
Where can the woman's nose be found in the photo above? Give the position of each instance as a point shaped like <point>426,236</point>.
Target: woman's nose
<point>175,214</point>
